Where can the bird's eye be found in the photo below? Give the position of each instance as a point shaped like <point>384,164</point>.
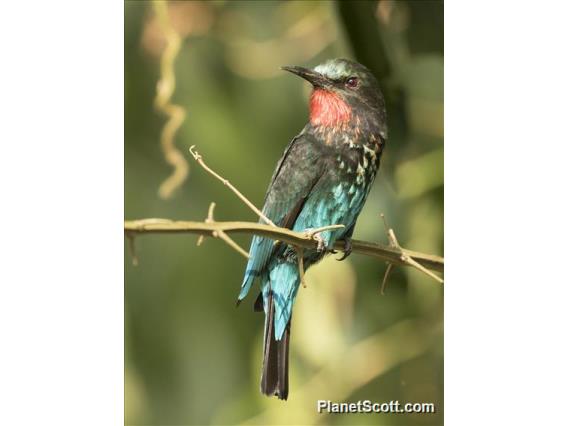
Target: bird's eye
<point>352,82</point>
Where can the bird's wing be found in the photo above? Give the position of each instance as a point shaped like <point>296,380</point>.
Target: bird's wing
<point>296,174</point>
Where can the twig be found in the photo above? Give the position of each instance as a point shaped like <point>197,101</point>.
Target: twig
<point>300,255</point>
<point>209,219</point>
<point>405,257</point>
<point>311,232</point>
<point>231,243</point>
<point>176,113</point>
<point>293,238</point>
<point>409,260</point>
<point>385,278</point>
<point>199,159</point>
<point>132,247</point>
<point>390,266</point>
<point>221,234</point>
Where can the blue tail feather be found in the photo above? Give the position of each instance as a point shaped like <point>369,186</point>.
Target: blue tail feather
<point>250,275</point>
<point>284,281</point>
<point>259,252</point>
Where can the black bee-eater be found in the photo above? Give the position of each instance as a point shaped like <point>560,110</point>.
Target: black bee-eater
<point>323,178</point>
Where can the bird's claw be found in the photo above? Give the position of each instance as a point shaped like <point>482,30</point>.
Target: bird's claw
<point>347,250</point>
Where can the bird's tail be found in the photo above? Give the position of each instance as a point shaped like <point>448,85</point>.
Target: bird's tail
<point>274,379</point>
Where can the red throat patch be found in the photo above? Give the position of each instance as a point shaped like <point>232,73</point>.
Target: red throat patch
<point>328,109</point>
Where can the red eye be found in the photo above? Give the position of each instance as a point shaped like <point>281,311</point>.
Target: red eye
<point>352,82</point>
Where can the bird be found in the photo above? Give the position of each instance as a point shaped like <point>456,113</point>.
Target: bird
<point>323,178</point>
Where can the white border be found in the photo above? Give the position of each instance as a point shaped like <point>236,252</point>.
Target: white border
<point>61,173</point>
<point>506,213</point>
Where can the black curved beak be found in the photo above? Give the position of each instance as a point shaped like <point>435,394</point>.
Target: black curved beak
<point>317,79</point>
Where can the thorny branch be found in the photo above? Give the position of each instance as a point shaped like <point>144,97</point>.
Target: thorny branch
<point>393,254</point>
<point>314,234</point>
<point>404,257</point>
<point>221,234</point>
<point>293,238</point>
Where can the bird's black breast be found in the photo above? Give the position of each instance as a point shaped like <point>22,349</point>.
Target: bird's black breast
<point>350,154</point>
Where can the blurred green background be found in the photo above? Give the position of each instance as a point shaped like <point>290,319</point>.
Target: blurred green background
<point>191,357</point>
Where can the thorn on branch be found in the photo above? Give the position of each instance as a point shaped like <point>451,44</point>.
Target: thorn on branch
<point>392,243</point>
<point>209,219</point>
<point>132,248</point>
<point>221,234</point>
<point>386,276</point>
<point>410,261</point>
<point>300,255</point>
<point>404,257</point>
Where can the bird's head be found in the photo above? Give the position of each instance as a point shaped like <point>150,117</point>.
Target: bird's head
<point>342,89</point>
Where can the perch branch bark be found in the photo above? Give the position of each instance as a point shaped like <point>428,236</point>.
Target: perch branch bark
<point>394,255</point>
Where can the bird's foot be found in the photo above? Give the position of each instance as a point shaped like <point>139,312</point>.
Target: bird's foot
<point>321,243</point>
<point>315,235</point>
<point>347,250</point>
